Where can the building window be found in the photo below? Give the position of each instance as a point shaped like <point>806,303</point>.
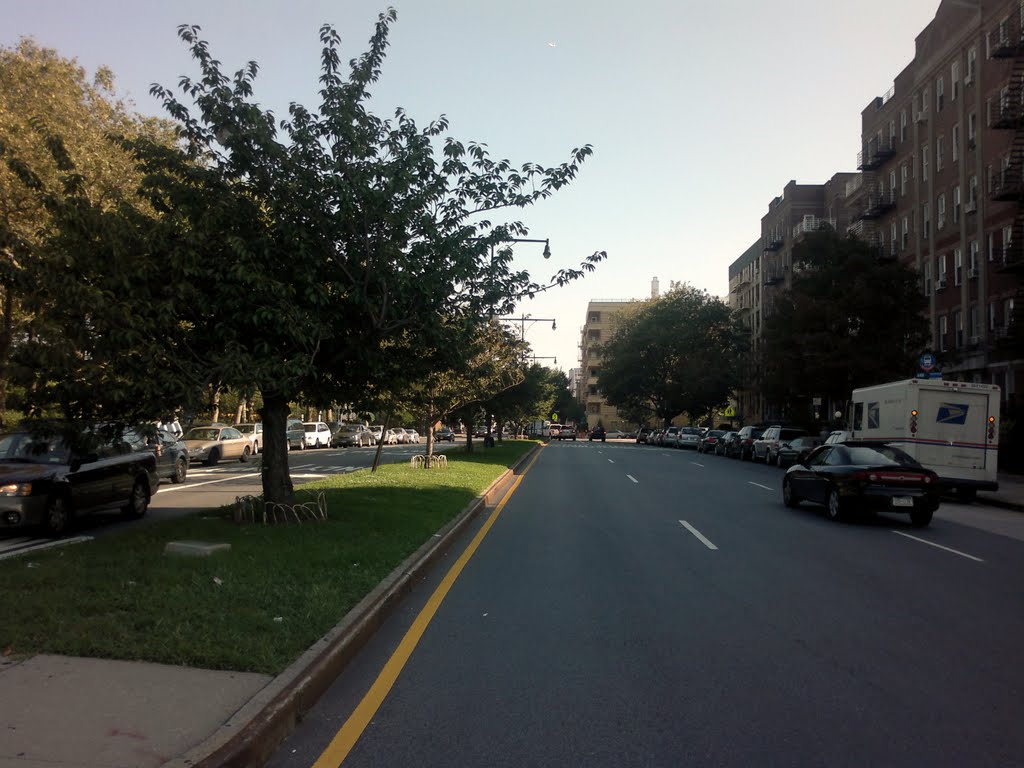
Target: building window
<point>940,94</point>
<point>593,408</point>
<point>594,334</point>
<point>972,190</point>
<point>905,235</point>
<point>956,203</point>
<point>973,259</point>
<point>595,317</point>
<point>892,234</point>
<point>904,175</point>
<point>942,266</point>
<point>991,246</point>
<point>939,150</point>
<point>954,80</point>
<point>955,149</point>
<point>972,322</point>
<point>926,220</point>
<point>958,266</point>
<point>940,211</point>
<point>924,162</point>
<point>958,327</point>
<point>903,125</point>
<point>592,389</point>
<point>943,330</point>
<point>972,64</point>
<point>593,373</point>
<point>991,315</point>
<point>928,277</point>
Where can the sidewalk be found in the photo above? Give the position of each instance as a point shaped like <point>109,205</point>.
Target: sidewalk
<point>69,712</point>
<point>62,712</point>
<point>1010,494</point>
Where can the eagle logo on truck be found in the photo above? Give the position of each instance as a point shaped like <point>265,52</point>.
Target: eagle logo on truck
<point>952,413</point>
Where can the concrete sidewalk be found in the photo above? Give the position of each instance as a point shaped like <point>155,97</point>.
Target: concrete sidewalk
<point>61,712</point>
<point>69,712</point>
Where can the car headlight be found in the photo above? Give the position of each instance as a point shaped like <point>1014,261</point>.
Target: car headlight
<point>16,489</point>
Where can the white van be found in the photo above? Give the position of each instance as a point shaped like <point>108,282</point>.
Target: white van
<point>950,427</point>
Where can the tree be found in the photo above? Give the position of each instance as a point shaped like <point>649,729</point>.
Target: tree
<point>52,119</point>
<point>301,254</point>
<point>529,400</point>
<point>676,354</point>
<point>849,320</point>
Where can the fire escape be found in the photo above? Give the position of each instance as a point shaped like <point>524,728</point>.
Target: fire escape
<point>1006,42</point>
<point>875,199</point>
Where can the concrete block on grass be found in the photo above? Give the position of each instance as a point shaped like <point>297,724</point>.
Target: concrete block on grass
<point>195,548</point>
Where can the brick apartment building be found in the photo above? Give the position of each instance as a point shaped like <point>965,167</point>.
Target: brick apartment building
<point>940,188</point>
<point>598,328</point>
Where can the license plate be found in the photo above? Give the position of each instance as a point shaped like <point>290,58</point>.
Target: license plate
<point>902,501</point>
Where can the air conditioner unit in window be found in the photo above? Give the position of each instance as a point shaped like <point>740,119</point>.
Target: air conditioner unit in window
<point>940,284</point>
<point>920,116</point>
<point>971,206</point>
<point>968,78</point>
<point>972,273</point>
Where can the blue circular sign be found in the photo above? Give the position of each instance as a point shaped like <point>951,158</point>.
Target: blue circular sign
<point>927,362</point>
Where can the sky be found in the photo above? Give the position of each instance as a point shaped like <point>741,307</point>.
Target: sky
<point>699,112</point>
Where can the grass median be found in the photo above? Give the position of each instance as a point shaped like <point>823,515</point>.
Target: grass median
<point>254,608</point>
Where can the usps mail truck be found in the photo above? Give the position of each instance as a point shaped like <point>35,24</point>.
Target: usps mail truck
<point>951,427</point>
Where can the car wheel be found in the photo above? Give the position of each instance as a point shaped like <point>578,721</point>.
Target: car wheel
<point>836,508</point>
<point>256,446</point>
<point>57,517</point>
<point>246,453</point>
<point>180,470</point>
<point>213,458</point>
<point>138,501</point>
<point>919,518</point>
<point>789,497</point>
<point>778,461</point>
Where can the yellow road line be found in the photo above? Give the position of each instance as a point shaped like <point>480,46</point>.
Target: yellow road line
<point>345,739</point>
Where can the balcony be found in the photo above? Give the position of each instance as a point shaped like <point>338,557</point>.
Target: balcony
<point>1009,112</point>
<point>812,224</point>
<point>876,205</point>
<point>1008,258</point>
<point>875,154</point>
<point>1004,41</point>
<point>774,243</point>
<point>774,277</point>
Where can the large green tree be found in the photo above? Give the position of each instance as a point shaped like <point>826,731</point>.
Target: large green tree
<point>848,320</point>
<point>299,255</point>
<point>57,130</point>
<point>673,355</point>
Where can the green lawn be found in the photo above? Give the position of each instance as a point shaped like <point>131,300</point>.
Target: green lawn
<point>255,608</point>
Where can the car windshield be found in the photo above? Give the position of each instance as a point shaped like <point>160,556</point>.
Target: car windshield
<point>202,433</point>
<point>23,447</point>
<point>878,456</point>
<point>246,429</point>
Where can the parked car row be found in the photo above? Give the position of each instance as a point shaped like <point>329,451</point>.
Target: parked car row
<point>671,437</point>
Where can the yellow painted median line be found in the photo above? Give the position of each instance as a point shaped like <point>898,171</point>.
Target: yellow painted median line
<point>353,728</point>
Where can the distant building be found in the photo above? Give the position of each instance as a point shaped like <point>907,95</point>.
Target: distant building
<point>598,328</point>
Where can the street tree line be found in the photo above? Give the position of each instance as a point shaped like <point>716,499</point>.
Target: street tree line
<point>330,256</point>
<point>847,319</point>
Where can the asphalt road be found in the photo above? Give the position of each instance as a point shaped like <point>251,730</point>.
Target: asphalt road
<point>213,487</point>
<point>638,606</point>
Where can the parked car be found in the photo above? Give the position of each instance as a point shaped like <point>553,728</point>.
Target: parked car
<point>211,444</point>
<point>743,446</point>
<point>171,453</point>
<point>688,437</point>
<point>767,446</point>
<point>296,435</point>
<point>709,440</point>
<point>349,435</point>
<point>855,476</point>
<point>377,430</point>
<point>643,434</point>
<point>444,434</point>
<point>669,438</point>
<point>796,450</point>
<point>724,444</point>
<point>391,437</point>
<point>254,431</point>
<point>45,482</point>
<point>615,434</point>
<point>318,434</point>
<point>838,436</point>
<point>598,433</point>
<point>414,436</point>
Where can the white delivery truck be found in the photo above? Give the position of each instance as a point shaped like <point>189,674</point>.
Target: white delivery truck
<point>951,427</point>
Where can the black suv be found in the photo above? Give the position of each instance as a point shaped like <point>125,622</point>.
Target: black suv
<point>597,433</point>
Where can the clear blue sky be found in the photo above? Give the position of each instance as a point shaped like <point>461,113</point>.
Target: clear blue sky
<point>699,112</point>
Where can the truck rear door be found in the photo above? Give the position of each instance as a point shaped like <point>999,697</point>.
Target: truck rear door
<point>952,429</point>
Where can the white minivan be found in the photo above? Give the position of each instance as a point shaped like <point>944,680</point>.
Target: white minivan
<point>318,434</point>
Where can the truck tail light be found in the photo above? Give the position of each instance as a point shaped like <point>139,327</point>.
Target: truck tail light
<point>991,427</point>
<point>913,422</point>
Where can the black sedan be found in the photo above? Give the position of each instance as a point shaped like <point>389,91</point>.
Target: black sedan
<point>797,450</point>
<point>598,433</point>
<point>863,476</point>
<point>44,482</point>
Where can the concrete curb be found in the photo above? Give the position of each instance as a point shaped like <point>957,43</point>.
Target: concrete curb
<point>990,501</point>
<point>251,736</point>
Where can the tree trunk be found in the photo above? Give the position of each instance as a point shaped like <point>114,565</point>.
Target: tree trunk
<point>215,411</point>
<point>277,481</point>
<point>380,445</point>
<point>500,430</point>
